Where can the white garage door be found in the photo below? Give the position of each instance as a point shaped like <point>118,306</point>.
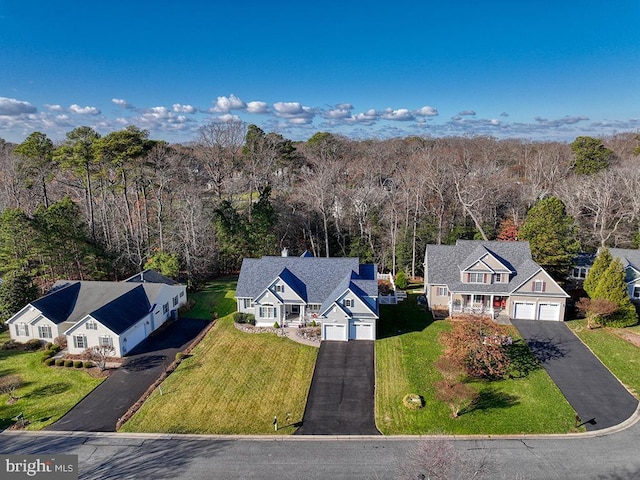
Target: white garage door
<point>549,311</point>
<point>524,310</point>
<point>362,331</point>
<point>134,336</point>
<point>334,332</point>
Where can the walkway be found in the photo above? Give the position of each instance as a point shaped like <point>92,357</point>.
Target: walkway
<point>596,395</point>
<point>341,396</point>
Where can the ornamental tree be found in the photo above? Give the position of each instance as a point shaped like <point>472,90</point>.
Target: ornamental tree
<point>600,264</point>
<point>612,286</point>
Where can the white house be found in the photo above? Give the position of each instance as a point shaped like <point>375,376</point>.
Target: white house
<point>338,293</point>
<point>117,314</point>
<point>490,278</point>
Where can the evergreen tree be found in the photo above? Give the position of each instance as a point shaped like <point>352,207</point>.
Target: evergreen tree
<point>591,156</point>
<point>600,265</point>
<point>613,287</point>
<point>164,263</point>
<point>552,236</point>
<point>16,291</point>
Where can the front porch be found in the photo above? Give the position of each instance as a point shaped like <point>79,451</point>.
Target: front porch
<point>478,304</point>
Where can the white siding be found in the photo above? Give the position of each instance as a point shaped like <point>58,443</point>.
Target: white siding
<point>92,336</point>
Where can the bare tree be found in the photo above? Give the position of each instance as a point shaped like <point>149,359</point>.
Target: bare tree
<point>99,354</point>
<point>9,384</point>
<point>439,459</point>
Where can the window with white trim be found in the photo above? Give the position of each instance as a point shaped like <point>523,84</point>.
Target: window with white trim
<point>105,341</point>
<point>22,329</point>
<point>165,308</point>
<point>279,288</point>
<point>498,278</point>
<point>247,303</point>
<point>442,291</point>
<point>636,292</point>
<point>538,286</point>
<point>44,331</point>
<point>175,300</point>
<point>267,311</point>
<point>314,307</point>
<point>349,302</point>
<point>80,341</point>
<point>474,277</point>
<point>91,325</point>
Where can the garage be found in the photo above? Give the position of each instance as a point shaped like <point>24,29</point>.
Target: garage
<point>524,310</point>
<point>332,331</point>
<point>133,336</point>
<point>361,331</point>
<point>549,311</point>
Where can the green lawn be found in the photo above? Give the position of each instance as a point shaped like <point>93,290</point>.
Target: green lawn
<point>48,392</point>
<point>619,355</point>
<point>234,382</point>
<point>407,347</point>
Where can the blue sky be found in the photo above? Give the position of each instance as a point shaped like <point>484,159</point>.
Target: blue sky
<point>525,69</point>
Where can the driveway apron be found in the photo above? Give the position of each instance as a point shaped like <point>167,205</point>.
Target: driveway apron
<point>597,396</point>
<point>100,410</point>
<point>341,396</point>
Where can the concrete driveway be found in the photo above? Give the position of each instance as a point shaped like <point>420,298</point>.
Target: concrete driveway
<point>341,396</point>
<point>595,394</point>
<point>100,410</point>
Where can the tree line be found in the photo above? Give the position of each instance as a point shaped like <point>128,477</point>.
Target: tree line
<point>93,206</point>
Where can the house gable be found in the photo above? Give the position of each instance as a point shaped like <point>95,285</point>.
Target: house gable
<point>541,284</point>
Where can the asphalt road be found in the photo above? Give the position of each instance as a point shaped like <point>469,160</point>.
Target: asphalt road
<point>341,397</point>
<point>122,456</point>
<point>596,395</point>
<point>100,410</point>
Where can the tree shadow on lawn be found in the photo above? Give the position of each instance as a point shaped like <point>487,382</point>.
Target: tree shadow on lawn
<point>523,361</point>
<point>490,398</point>
<point>405,317</point>
<point>51,389</point>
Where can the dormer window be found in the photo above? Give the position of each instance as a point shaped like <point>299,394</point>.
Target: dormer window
<point>501,278</point>
<point>279,288</point>
<point>473,277</point>
<point>348,302</point>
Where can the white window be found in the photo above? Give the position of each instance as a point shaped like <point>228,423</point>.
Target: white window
<point>280,288</point>
<point>636,292</point>
<point>175,300</point>
<point>498,278</point>
<point>538,286</point>
<point>91,325</point>
<point>442,291</point>
<point>267,312</point>
<point>246,303</point>
<point>580,272</point>
<point>79,341</point>
<point>348,302</point>
<point>476,277</point>
<point>313,307</point>
<point>105,341</point>
<point>44,331</point>
<point>22,329</point>
<point>165,308</point>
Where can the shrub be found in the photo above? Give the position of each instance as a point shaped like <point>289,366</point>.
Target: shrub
<point>46,355</point>
<point>50,361</point>
<point>48,345</point>
<point>240,317</point>
<point>180,356</point>
<point>54,348</point>
<point>61,341</point>
<point>11,345</point>
<point>77,364</point>
<point>401,280</point>
<point>413,401</point>
<point>68,363</point>
<point>60,362</point>
<point>87,364</point>
<point>276,325</point>
<point>33,344</point>
<point>313,323</point>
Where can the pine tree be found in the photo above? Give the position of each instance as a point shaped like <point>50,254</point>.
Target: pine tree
<point>552,236</point>
<point>601,263</point>
<point>613,287</point>
<point>16,291</point>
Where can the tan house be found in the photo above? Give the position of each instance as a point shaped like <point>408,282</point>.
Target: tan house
<point>490,278</point>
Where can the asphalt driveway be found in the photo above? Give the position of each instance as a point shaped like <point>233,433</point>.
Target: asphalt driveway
<point>100,410</point>
<point>595,394</point>
<point>341,396</point>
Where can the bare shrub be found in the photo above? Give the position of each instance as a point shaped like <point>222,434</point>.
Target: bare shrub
<point>9,384</point>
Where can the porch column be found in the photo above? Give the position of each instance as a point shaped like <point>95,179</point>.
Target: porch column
<point>491,306</point>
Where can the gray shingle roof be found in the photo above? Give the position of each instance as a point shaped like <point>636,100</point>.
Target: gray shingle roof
<point>323,278</point>
<point>151,276</point>
<point>123,312</point>
<point>443,264</point>
<point>629,258</point>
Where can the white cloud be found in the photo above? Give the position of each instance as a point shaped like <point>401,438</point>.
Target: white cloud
<point>84,110</point>
<point>228,117</point>
<point>12,107</point>
<point>340,111</point>
<point>294,112</point>
<point>559,122</point>
<point>426,111</point>
<point>504,114</point>
<point>400,115</point>
<point>365,118</point>
<point>226,104</point>
<point>183,108</point>
<point>54,108</point>
<point>257,107</point>
<point>467,112</point>
<point>122,103</point>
